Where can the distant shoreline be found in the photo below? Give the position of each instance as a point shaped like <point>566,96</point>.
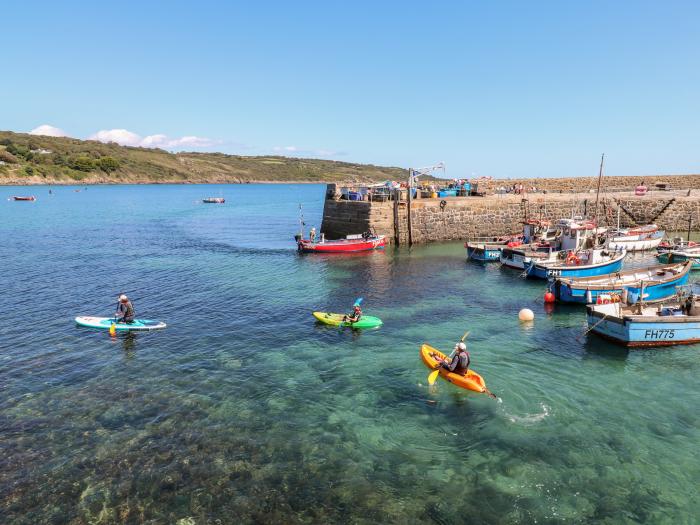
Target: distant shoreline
<point>17,182</point>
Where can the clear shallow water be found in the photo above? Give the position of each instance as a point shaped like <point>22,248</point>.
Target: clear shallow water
<point>244,410</point>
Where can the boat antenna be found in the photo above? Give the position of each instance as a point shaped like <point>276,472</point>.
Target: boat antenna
<point>600,177</point>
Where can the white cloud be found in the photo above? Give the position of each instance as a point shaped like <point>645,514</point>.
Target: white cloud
<point>48,131</point>
<point>120,136</point>
<point>286,149</point>
<point>128,138</point>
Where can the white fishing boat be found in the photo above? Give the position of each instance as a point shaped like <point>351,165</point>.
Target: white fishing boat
<point>638,239</point>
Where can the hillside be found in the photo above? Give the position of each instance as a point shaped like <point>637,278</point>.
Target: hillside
<point>34,159</point>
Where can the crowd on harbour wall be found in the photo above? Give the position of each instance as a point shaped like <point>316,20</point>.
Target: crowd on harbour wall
<point>497,214</point>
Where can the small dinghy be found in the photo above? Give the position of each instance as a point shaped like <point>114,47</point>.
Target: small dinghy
<point>104,323</point>
<point>352,243</point>
<point>25,198</point>
<point>214,200</point>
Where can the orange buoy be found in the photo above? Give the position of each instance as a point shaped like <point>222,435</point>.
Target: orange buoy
<point>549,297</point>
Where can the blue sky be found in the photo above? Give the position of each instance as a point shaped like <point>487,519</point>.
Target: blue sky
<point>504,89</point>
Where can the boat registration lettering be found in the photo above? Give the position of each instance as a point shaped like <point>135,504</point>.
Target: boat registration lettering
<point>663,333</point>
<point>553,273</point>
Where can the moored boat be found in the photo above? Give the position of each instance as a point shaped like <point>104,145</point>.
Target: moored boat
<point>659,282</point>
<point>521,257</point>
<point>351,243</point>
<point>646,325</point>
<point>584,263</point>
<point>214,200</point>
<point>639,239</point>
<point>24,198</point>
<point>676,256</point>
<point>483,252</point>
<point>677,243</point>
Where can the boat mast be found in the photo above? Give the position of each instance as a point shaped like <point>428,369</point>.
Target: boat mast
<point>301,223</point>
<point>597,195</point>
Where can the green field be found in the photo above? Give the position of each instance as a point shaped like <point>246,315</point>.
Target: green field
<point>35,159</point>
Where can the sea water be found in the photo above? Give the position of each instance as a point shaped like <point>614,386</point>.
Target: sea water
<point>245,410</point>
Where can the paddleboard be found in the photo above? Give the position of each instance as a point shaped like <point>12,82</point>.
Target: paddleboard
<point>104,323</point>
<point>366,321</point>
<point>472,381</point>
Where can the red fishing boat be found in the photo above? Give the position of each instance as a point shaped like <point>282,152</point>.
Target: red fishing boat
<point>28,198</point>
<point>352,243</point>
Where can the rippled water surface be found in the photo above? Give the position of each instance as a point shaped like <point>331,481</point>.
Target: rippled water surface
<point>245,410</point>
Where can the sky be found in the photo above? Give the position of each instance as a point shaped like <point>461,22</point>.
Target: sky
<point>501,89</point>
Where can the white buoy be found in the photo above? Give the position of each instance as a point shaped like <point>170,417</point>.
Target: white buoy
<point>526,315</point>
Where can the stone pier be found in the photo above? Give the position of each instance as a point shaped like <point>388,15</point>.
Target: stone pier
<point>461,218</point>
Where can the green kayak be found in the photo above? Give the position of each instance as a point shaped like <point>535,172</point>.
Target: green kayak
<point>366,321</point>
<point>104,323</point>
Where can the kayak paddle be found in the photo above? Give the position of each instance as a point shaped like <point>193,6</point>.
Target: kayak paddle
<point>433,375</point>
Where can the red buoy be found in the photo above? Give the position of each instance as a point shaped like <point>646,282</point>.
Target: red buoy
<point>549,297</point>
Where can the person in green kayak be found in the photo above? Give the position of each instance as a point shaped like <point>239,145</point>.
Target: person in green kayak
<point>125,310</point>
<point>354,316</point>
<point>458,361</point>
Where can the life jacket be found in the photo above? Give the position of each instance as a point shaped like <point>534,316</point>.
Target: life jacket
<point>128,310</point>
<point>464,361</point>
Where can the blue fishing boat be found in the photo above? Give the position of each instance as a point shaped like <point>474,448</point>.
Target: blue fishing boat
<point>483,252</point>
<point>675,256</point>
<point>644,325</point>
<point>659,282</point>
<point>585,263</point>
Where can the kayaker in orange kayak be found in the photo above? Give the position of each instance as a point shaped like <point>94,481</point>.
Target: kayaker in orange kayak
<point>459,360</point>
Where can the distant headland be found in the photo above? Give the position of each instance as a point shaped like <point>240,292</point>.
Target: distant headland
<point>38,159</point>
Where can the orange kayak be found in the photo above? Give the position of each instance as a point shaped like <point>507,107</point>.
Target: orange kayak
<point>471,381</point>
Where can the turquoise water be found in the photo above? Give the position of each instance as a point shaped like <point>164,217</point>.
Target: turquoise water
<point>245,410</point>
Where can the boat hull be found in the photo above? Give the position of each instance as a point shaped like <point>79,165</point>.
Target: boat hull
<point>680,256</point>
<point>549,271</point>
<point>643,331</point>
<point>483,252</point>
<point>637,243</point>
<point>582,292</point>
<point>342,245</point>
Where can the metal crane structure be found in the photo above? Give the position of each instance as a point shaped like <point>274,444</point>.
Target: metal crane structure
<point>413,175</point>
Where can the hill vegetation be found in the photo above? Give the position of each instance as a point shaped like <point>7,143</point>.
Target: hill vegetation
<point>27,159</point>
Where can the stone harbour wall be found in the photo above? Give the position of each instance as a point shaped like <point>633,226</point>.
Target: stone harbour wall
<point>462,218</point>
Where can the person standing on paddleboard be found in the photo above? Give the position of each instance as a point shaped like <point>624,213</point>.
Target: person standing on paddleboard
<point>459,360</point>
<point>125,310</point>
